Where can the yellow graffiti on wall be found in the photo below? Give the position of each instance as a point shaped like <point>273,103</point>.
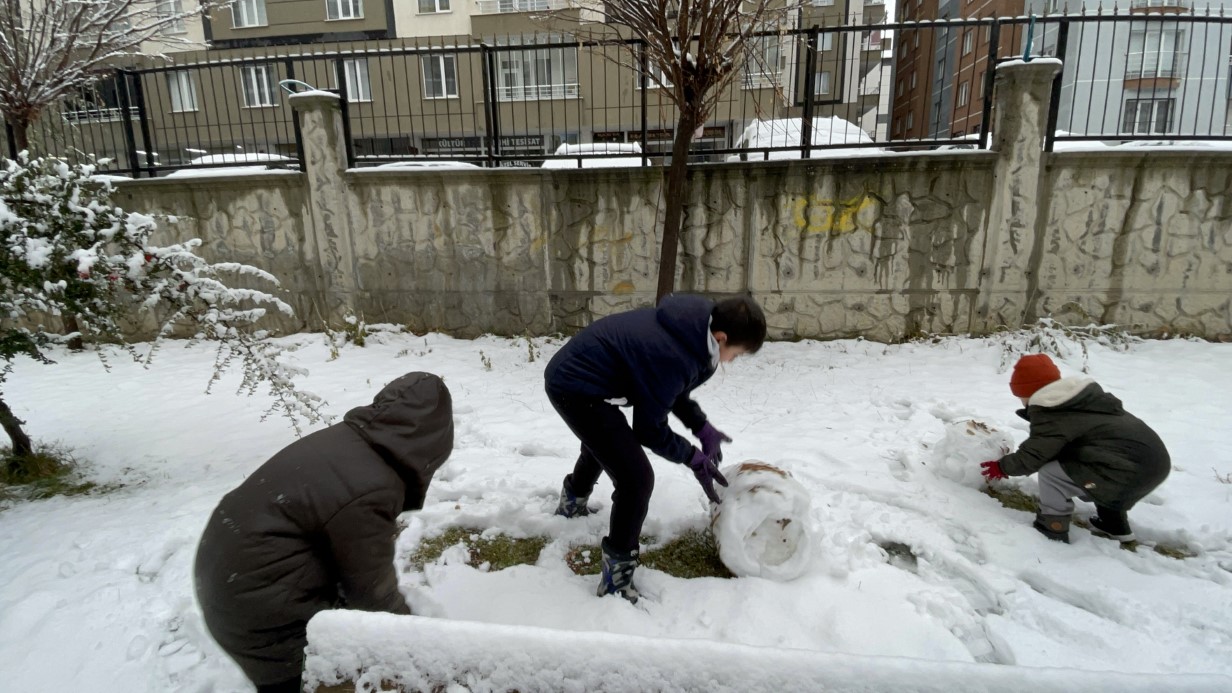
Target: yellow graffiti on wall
<point>814,214</point>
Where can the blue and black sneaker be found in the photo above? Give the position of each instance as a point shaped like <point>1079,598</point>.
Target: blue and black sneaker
<point>617,577</point>
<point>571,505</point>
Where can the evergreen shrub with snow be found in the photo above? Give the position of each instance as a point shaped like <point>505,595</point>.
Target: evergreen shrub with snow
<point>69,252</point>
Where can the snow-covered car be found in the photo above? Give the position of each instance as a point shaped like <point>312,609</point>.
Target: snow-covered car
<point>1224,145</point>
<point>429,165</point>
<point>597,148</point>
<point>262,161</point>
<point>789,132</point>
<point>1057,146</point>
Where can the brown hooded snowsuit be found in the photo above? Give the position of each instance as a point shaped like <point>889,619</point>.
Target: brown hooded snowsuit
<point>313,528</point>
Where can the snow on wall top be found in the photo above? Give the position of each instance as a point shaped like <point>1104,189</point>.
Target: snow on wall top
<point>426,653</point>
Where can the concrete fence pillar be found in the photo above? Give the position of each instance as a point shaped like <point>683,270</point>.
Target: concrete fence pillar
<point>329,251</point>
<point>1021,98</point>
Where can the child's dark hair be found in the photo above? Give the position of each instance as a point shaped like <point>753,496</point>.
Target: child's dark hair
<point>742,320</point>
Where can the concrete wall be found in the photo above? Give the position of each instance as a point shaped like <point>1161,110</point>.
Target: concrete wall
<point>881,247</point>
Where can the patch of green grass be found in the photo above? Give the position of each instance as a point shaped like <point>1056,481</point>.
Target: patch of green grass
<point>1178,551</point>
<point>48,471</point>
<point>901,555</point>
<point>690,555</point>
<point>1012,498</point>
<point>499,552</point>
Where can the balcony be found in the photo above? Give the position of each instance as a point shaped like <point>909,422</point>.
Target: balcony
<point>513,6</point>
<point>536,92</point>
<point>98,115</point>
<point>1155,66</point>
<point>763,80</point>
<point>1159,7</point>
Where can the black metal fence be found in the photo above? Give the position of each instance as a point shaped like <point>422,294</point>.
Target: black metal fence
<point>823,91</point>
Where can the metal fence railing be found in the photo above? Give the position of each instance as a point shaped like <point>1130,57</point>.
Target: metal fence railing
<point>821,91</point>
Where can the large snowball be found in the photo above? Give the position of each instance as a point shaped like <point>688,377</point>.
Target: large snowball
<point>957,456</point>
<point>762,526</point>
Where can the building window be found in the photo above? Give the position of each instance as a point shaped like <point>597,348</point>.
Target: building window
<point>248,13</point>
<point>98,102</point>
<point>910,120</point>
<point>440,76</point>
<point>915,40</point>
<point>979,84</point>
<point>823,83</point>
<point>545,73</point>
<point>183,90</point>
<point>827,42</point>
<point>987,33</point>
<point>765,64</point>
<point>964,93</point>
<point>172,9</point>
<point>898,91</point>
<point>503,6</point>
<point>913,79</point>
<point>1154,51</point>
<point>258,85</point>
<point>433,6</point>
<point>968,42</point>
<point>657,79</point>
<point>1147,116</point>
<point>344,9</point>
<point>358,88</point>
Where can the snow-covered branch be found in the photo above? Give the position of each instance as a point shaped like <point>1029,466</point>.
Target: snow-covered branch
<point>49,48</point>
<point>65,250</point>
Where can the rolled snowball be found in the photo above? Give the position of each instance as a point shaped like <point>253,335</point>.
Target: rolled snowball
<point>762,526</point>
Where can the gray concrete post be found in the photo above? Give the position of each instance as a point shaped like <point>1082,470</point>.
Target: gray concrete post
<point>1020,120</point>
<point>329,249</point>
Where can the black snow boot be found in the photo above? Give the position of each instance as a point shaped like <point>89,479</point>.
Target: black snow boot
<point>1113,524</point>
<point>571,504</point>
<point>1055,527</point>
<point>617,577</point>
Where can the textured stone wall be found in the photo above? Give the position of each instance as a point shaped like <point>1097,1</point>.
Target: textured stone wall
<point>259,220</point>
<point>1140,239</point>
<point>883,246</point>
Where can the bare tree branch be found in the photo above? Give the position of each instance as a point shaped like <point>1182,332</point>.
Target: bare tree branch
<point>49,48</point>
<point>694,51</point>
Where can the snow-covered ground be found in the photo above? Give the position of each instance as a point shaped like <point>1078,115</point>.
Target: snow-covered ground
<point>97,592</point>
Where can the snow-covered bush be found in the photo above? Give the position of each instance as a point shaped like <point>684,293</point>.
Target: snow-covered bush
<point>1049,336</point>
<point>762,526</point>
<point>68,252</point>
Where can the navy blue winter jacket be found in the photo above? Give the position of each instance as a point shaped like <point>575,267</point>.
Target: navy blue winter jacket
<point>651,357</point>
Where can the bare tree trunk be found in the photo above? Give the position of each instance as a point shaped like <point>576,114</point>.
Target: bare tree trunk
<point>21,134</point>
<point>12,425</point>
<point>71,325</point>
<point>677,197</point>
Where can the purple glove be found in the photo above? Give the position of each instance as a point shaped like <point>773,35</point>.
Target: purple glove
<point>707,472</point>
<point>712,440</point>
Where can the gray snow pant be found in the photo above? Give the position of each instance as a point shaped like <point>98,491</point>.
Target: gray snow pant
<point>1056,490</point>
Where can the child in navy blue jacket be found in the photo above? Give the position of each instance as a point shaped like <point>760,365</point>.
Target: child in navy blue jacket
<point>650,359</point>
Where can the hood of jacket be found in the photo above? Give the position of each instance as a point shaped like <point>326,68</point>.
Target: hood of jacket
<point>1075,394</point>
<point>687,318</point>
<point>410,425</point>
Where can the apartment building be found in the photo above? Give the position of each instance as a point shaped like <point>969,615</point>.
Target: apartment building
<point>460,78</point>
<point>1155,77</point>
<point>914,77</point>
<point>969,60</point>
<point>941,72</point>
<point>851,72</point>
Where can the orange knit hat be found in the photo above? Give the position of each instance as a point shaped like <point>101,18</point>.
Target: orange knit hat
<point>1032,372</point>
